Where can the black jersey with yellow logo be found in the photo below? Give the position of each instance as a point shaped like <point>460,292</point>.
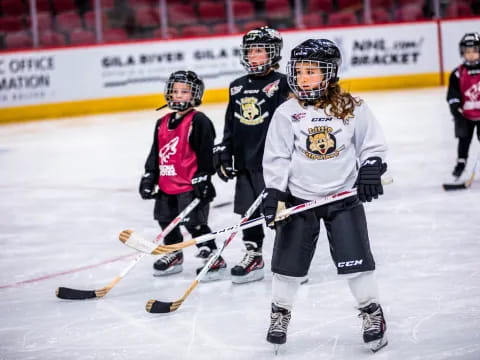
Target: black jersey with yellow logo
<point>252,102</point>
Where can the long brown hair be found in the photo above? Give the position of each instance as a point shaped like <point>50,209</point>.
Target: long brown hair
<point>337,102</point>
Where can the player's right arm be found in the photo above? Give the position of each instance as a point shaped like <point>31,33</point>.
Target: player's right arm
<point>223,152</point>
<point>454,95</point>
<point>278,151</point>
<point>150,177</point>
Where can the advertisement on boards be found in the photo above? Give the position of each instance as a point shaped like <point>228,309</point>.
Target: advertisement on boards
<point>114,71</point>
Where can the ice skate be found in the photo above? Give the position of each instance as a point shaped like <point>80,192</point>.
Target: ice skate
<point>277,332</point>
<point>168,264</point>
<point>374,327</point>
<point>459,168</point>
<point>203,252</point>
<point>251,266</point>
<point>218,270</point>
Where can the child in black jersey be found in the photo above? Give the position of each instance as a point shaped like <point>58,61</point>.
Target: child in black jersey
<point>463,97</point>
<point>252,100</point>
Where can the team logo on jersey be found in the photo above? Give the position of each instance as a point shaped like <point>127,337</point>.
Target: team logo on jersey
<point>164,154</point>
<point>321,143</point>
<point>298,116</point>
<point>251,111</point>
<point>235,90</point>
<point>472,97</point>
<point>270,89</point>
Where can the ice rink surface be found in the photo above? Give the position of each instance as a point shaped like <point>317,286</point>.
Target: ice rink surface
<point>68,188</point>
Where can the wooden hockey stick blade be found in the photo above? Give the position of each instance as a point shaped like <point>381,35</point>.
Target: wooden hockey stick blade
<point>162,307</point>
<point>75,294</point>
<point>460,186</point>
<point>449,187</point>
<point>135,241</point>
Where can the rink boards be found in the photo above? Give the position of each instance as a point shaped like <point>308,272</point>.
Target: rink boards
<point>104,78</point>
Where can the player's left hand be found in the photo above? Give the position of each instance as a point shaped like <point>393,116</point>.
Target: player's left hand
<point>147,186</point>
<point>203,187</point>
<point>273,204</point>
<point>369,182</point>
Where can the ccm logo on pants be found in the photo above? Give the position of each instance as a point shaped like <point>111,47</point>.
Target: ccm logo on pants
<point>350,263</point>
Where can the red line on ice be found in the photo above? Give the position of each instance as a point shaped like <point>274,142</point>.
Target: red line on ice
<point>50,276</point>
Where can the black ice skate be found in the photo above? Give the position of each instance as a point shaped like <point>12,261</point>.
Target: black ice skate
<point>277,332</point>
<point>203,252</point>
<point>251,266</point>
<point>168,264</point>
<point>374,327</point>
<point>459,168</point>
<point>216,272</point>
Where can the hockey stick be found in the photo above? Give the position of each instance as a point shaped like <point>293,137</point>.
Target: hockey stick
<point>135,241</point>
<point>155,306</point>
<point>75,294</point>
<point>467,183</point>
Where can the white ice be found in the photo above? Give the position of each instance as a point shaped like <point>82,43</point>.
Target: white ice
<point>68,187</point>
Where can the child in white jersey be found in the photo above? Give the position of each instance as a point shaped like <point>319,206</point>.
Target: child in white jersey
<point>314,144</point>
<point>178,169</point>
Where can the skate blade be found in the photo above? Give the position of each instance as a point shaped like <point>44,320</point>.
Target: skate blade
<point>255,275</point>
<point>376,345</point>
<point>214,276</point>
<point>276,348</point>
<point>173,270</point>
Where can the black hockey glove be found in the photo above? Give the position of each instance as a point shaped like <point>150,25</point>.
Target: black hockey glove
<point>222,161</point>
<point>147,186</point>
<point>203,188</point>
<point>273,203</point>
<point>369,182</point>
<point>456,110</point>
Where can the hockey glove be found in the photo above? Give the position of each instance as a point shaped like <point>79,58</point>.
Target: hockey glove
<point>203,188</point>
<point>222,161</point>
<point>147,186</point>
<point>456,110</point>
<point>273,203</point>
<point>369,182</point>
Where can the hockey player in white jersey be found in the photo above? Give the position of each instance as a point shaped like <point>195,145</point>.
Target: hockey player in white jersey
<point>321,142</point>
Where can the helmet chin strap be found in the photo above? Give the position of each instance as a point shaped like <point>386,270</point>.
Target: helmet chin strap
<point>472,63</point>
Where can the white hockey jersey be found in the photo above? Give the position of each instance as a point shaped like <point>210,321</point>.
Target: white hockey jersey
<point>313,154</point>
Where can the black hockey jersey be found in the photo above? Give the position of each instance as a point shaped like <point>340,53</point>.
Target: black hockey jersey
<point>252,102</point>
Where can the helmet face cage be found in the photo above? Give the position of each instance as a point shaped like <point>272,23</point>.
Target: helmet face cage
<point>315,91</point>
<point>273,56</point>
<point>470,41</point>
<point>196,90</point>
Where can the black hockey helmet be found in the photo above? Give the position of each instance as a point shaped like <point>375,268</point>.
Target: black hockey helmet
<point>196,87</point>
<point>469,40</point>
<point>263,37</point>
<point>321,53</point>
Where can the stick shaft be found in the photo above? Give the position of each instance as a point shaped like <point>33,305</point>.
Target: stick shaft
<point>245,218</point>
<point>169,307</point>
<point>129,238</point>
<point>163,234</point>
<point>74,294</point>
